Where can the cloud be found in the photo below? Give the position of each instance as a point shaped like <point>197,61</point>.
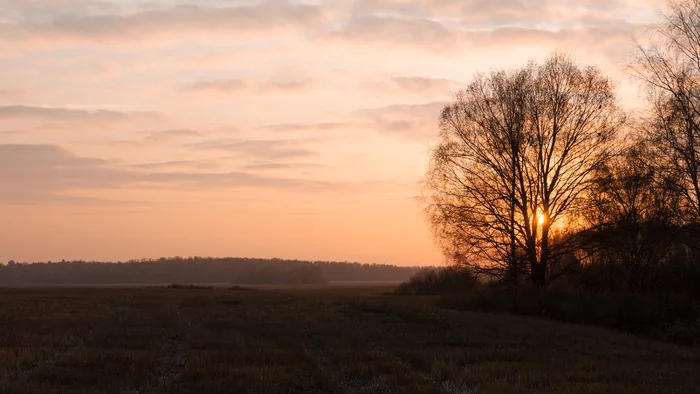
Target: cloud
<point>67,114</point>
<point>238,179</point>
<point>172,135</point>
<point>411,121</point>
<point>112,26</point>
<point>435,26</point>
<point>218,86</point>
<point>453,26</point>
<point>412,85</point>
<point>45,10</point>
<point>281,166</point>
<point>416,32</point>
<point>178,164</point>
<point>431,109</point>
<point>285,84</point>
<point>49,173</point>
<point>296,127</point>
<point>35,173</point>
<point>583,36</point>
<point>264,149</point>
<point>13,94</point>
<point>12,132</point>
<point>501,13</point>
<point>422,84</point>
<point>233,86</point>
<point>434,37</point>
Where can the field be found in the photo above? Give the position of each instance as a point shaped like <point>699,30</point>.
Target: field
<point>331,339</point>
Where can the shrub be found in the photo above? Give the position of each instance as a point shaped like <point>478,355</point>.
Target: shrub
<point>242,288</point>
<point>437,281</point>
<point>198,287</point>
<point>683,333</point>
<point>673,318</point>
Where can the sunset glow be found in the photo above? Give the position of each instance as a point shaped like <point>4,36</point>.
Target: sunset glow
<point>134,129</point>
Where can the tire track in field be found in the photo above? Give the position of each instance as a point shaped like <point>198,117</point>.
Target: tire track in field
<point>350,381</point>
<point>403,315</point>
<point>175,353</point>
<point>173,356</point>
<point>342,377</point>
<point>339,375</point>
<point>48,359</point>
<point>21,376</point>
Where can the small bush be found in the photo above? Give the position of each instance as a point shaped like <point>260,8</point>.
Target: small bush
<point>242,288</point>
<point>230,302</point>
<point>683,333</point>
<point>438,281</point>
<point>198,287</point>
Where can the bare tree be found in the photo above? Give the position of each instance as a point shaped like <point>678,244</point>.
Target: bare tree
<point>515,159</point>
<point>669,66</point>
<point>632,220</point>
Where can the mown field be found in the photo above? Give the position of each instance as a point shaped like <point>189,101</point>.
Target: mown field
<point>313,340</point>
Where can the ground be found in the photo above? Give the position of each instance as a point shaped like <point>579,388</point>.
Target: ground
<point>333,339</point>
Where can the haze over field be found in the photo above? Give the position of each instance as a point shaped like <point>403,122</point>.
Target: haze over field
<point>292,129</point>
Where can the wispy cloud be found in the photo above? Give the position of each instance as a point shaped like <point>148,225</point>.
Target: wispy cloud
<point>218,86</point>
<point>316,127</point>
<point>261,85</point>
<point>15,95</point>
<point>68,114</point>
<point>421,110</point>
<point>412,121</point>
<point>281,166</point>
<point>44,173</point>
<point>105,27</point>
<point>179,164</point>
<point>411,32</point>
<point>499,13</point>
<point>264,149</point>
<point>422,84</point>
<point>414,85</point>
<point>172,135</point>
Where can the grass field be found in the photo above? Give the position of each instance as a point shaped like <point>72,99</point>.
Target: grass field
<point>318,340</point>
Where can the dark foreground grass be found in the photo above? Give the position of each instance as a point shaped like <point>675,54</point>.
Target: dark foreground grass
<point>186,340</point>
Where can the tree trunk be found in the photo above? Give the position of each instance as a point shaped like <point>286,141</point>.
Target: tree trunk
<point>544,256</point>
<point>538,273</point>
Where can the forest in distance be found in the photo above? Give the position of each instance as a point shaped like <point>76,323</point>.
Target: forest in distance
<point>199,270</point>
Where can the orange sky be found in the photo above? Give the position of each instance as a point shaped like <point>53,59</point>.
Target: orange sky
<point>134,129</point>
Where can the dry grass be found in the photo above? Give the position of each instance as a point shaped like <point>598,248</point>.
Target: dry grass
<point>345,340</point>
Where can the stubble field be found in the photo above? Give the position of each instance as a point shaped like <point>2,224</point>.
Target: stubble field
<point>334,339</point>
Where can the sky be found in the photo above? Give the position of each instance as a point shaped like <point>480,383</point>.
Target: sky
<point>292,129</point>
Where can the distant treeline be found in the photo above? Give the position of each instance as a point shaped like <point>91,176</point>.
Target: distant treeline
<point>198,270</point>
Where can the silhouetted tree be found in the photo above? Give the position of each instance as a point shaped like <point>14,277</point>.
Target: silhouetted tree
<point>516,157</point>
<point>669,65</point>
<point>632,218</point>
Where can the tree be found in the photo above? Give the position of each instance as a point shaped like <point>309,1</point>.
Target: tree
<point>631,218</point>
<point>515,159</point>
<point>669,66</point>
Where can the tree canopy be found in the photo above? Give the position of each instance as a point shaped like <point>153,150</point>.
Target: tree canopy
<point>516,158</point>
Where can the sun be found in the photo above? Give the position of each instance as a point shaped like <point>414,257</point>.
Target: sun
<point>540,219</point>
